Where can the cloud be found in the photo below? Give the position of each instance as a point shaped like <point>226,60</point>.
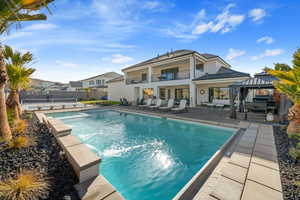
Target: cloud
<point>233,53</point>
<point>266,39</point>
<point>16,35</point>
<point>202,28</point>
<point>268,53</point>
<point>257,14</point>
<point>41,26</point>
<point>224,22</point>
<point>66,64</point>
<point>118,59</point>
<point>151,5</point>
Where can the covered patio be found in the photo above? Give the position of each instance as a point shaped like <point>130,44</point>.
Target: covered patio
<point>256,99</point>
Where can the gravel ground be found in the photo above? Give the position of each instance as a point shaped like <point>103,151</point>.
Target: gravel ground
<point>289,168</point>
<point>47,158</point>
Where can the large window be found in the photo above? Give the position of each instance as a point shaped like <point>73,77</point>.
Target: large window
<point>98,82</point>
<point>162,93</point>
<point>144,77</point>
<point>169,74</point>
<point>218,94</point>
<point>91,82</point>
<point>182,93</point>
<point>199,68</point>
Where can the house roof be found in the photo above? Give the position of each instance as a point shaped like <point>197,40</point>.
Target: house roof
<point>107,74</point>
<point>118,79</point>
<point>223,72</point>
<point>261,80</point>
<point>171,55</point>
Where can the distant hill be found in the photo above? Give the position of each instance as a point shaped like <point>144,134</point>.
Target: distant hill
<point>39,83</point>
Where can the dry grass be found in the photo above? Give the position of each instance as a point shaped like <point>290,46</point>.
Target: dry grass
<point>27,186</point>
<point>21,142</point>
<point>19,127</point>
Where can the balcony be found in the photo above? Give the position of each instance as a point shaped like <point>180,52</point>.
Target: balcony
<point>171,76</point>
<point>135,81</point>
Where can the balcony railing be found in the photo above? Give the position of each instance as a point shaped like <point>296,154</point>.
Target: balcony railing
<point>135,81</point>
<point>170,77</point>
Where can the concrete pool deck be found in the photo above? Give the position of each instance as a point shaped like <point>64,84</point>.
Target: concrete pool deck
<point>248,170</point>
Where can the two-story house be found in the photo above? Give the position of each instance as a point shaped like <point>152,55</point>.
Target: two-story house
<point>181,74</point>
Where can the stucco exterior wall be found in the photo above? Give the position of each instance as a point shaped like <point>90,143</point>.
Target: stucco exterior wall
<point>117,90</point>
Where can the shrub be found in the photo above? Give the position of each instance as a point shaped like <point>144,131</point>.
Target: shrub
<point>21,142</point>
<point>295,153</point>
<point>28,185</point>
<point>19,127</point>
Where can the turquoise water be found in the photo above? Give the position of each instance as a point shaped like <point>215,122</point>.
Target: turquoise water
<point>145,158</point>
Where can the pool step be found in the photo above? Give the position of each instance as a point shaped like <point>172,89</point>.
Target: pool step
<point>97,188</point>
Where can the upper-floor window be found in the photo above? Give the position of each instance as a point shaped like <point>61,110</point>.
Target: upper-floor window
<point>144,76</point>
<point>199,68</point>
<point>169,74</point>
<point>98,82</point>
<point>92,82</point>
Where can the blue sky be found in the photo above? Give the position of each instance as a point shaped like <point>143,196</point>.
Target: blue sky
<point>84,38</point>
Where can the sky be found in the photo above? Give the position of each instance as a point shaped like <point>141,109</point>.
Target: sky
<point>83,38</point>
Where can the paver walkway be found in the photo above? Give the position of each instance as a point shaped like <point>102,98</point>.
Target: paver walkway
<point>252,171</point>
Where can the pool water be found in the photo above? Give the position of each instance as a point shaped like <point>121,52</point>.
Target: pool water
<point>145,158</point>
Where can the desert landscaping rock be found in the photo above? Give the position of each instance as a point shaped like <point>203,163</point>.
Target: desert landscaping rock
<point>47,158</point>
<point>289,168</point>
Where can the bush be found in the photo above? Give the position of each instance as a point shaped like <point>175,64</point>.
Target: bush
<point>21,142</point>
<point>19,127</point>
<point>295,153</point>
<point>28,185</point>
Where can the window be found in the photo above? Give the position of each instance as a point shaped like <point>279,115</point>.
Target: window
<point>98,82</point>
<point>218,94</point>
<point>182,93</point>
<point>162,93</point>
<point>92,82</point>
<point>199,68</point>
<point>103,82</point>
<point>169,74</point>
<point>144,77</point>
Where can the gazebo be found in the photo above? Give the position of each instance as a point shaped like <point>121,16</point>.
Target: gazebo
<point>259,81</point>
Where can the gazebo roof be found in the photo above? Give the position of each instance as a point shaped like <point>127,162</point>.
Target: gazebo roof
<point>260,80</point>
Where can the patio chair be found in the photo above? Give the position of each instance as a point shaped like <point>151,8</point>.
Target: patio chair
<point>169,106</point>
<point>182,107</point>
<point>126,103</point>
<point>149,101</point>
<point>157,105</point>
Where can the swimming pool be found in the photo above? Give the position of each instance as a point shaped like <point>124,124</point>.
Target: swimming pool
<point>144,157</point>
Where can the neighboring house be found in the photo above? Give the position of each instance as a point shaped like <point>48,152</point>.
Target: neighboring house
<point>181,74</point>
<point>75,86</point>
<point>99,81</point>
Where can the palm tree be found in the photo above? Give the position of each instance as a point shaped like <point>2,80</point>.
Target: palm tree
<point>289,84</point>
<point>18,77</point>
<point>12,12</point>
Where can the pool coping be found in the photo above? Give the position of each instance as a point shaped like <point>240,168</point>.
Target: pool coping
<point>83,160</point>
<point>189,190</point>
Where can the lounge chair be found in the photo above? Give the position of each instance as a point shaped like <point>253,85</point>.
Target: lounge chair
<point>157,105</point>
<point>149,101</point>
<point>126,103</point>
<point>169,106</point>
<point>182,107</point>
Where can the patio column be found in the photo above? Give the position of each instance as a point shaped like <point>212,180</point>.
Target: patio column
<point>149,74</point>
<point>193,94</point>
